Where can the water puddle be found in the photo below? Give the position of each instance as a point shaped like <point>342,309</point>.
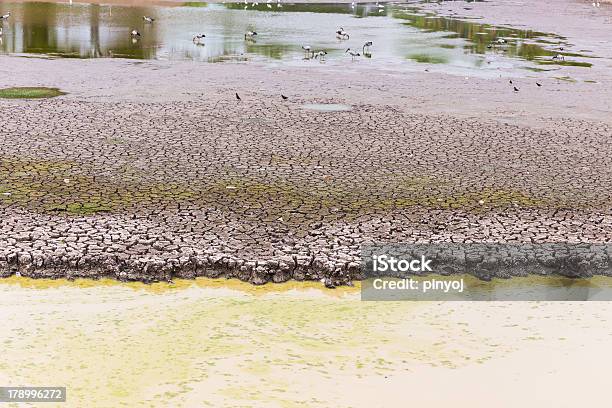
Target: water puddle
<point>401,35</point>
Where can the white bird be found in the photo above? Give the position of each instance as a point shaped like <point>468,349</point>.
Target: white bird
<point>148,19</point>
<point>308,51</point>
<point>0,30</point>
<point>366,46</point>
<point>6,16</point>
<point>341,34</point>
<point>352,53</point>
<point>135,33</point>
<point>320,55</point>
<point>501,41</point>
<point>198,39</point>
<point>249,35</point>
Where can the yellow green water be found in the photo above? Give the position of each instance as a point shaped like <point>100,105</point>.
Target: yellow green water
<point>225,343</point>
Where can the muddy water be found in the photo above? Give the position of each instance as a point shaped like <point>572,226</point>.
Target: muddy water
<point>401,35</point>
<point>225,343</point>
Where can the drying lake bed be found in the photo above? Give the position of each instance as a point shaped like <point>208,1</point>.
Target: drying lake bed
<point>155,157</point>
<point>157,161</point>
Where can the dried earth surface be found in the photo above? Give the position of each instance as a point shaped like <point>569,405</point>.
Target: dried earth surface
<point>149,170</point>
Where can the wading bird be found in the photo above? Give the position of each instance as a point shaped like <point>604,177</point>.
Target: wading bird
<point>366,47</point>
<point>284,97</point>
<point>320,55</point>
<point>135,33</point>
<point>499,41</point>
<point>309,53</point>
<point>199,38</point>
<point>148,19</point>
<point>558,57</point>
<point>249,35</point>
<point>341,34</point>
<point>352,53</point>
<point>516,89</point>
<point>538,84</point>
<point>6,16</point>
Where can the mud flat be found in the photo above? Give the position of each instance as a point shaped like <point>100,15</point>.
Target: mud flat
<point>220,343</point>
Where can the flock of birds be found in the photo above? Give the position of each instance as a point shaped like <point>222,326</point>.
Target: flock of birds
<point>501,42</point>
<point>516,89</point>
<point>309,52</point>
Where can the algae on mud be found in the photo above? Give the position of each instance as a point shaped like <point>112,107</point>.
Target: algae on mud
<point>30,93</point>
<point>72,188</point>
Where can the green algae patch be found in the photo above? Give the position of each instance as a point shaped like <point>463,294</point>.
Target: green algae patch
<point>565,78</point>
<point>30,93</point>
<point>68,187</point>
<point>428,59</point>
<point>71,188</point>
<point>566,63</point>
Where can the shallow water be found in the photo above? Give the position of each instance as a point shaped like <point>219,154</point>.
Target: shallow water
<point>226,343</point>
<point>402,36</point>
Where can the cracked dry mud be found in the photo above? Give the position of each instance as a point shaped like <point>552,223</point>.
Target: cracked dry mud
<point>264,190</point>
